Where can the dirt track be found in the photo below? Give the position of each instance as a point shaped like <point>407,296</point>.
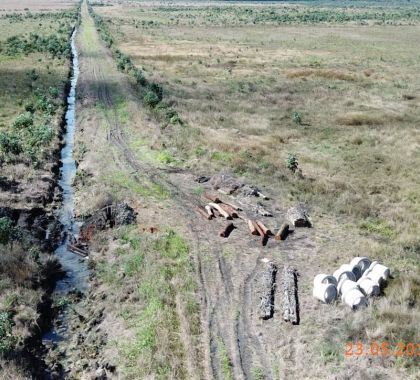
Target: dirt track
<point>228,270</point>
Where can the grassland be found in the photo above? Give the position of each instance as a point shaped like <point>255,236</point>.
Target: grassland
<point>34,69</point>
<point>252,84</point>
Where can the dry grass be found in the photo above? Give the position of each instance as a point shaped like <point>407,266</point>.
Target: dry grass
<point>237,89</point>
<point>326,74</point>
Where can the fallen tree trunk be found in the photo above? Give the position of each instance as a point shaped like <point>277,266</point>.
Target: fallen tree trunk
<point>283,232</point>
<point>268,290</point>
<point>290,295</point>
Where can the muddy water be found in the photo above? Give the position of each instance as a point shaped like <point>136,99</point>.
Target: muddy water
<point>75,267</point>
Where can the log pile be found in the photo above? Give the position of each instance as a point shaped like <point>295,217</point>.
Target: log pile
<point>290,295</point>
<point>268,290</point>
<point>218,206</point>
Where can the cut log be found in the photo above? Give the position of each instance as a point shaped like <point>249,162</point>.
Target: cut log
<point>298,217</point>
<point>252,228</point>
<point>212,197</point>
<point>233,205</point>
<point>227,230</point>
<point>283,232</point>
<point>203,213</point>
<point>229,210</point>
<point>268,290</point>
<point>209,211</point>
<point>265,230</point>
<point>260,194</point>
<point>76,250</point>
<point>258,228</point>
<point>220,210</point>
<point>290,295</point>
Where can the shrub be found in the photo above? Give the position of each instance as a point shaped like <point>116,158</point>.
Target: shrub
<point>140,79</point>
<point>292,162</point>
<point>297,118</point>
<point>30,107</point>
<point>24,120</point>
<point>40,135</point>
<point>151,99</point>
<point>7,230</point>
<point>7,340</point>
<point>10,143</point>
<point>157,89</point>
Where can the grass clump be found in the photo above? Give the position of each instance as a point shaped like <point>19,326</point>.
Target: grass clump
<point>378,227</point>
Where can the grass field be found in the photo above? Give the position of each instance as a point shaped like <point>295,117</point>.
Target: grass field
<point>334,88</point>
<point>315,102</point>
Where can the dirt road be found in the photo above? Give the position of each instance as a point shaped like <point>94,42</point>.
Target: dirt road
<point>234,342</point>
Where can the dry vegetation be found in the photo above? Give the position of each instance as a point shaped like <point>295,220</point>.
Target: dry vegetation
<point>343,99</point>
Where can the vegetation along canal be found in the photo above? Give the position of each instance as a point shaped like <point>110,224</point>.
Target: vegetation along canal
<point>75,268</point>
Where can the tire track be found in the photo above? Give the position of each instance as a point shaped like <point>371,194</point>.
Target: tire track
<point>214,276</point>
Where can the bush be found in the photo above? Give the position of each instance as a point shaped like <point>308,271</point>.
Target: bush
<point>157,89</point>
<point>7,231</point>
<point>41,135</point>
<point>24,120</point>
<point>292,162</point>
<point>151,99</point>
<point>140,79</point>
<point>7,340</point>
<point>297,118</point>
<point>10,143</point>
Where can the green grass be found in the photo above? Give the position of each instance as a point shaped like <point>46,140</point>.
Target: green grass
<point>225,361</point>
<point>124,182</point>
<point>161,269</point>
<point>378,227</point>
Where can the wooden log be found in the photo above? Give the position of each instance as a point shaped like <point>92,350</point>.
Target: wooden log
<point>203,213</point>
<point>212,197</point>
<point>263,228</point>
<point>232,212</point>
<point>227,230</point>
<point>298,217</point>
<point>283,232</point>
<point>252,228</point>
<point>220,210</point>
<point>260,194</point>
<point>258,228</point>
<point>268,291</point>
<point>290,295</point>
<point>209,211</point>
<point>77,251</point>
<point>233,205</point>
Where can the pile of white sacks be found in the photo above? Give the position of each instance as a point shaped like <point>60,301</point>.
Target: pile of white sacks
<point>354,282</point>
